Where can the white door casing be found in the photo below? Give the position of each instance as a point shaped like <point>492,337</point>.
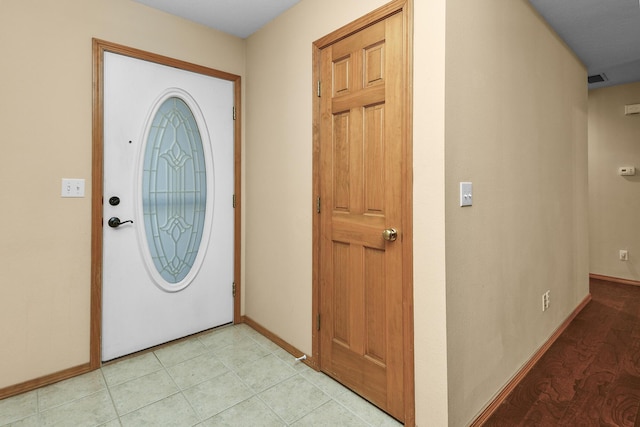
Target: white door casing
<point>140,307</point>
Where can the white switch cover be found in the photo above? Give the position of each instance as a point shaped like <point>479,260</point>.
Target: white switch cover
<point>72,187</point>
<point>631,109</point>
<point>627,171</point>
<point>466,194</point>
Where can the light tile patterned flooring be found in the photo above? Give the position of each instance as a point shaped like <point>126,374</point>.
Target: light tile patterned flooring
<point>231,376</point>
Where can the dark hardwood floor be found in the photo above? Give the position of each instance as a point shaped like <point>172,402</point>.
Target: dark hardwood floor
<point>591,375</point>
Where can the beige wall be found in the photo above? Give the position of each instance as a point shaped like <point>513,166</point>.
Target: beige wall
<point>279,160</point>
<point>45,111</point>
<point>613,199</point>
<point>516,126</point>
<point>279,182</point>
<point>430,304</point>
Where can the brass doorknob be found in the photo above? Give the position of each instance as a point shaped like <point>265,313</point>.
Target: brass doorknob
<point>390,234</point>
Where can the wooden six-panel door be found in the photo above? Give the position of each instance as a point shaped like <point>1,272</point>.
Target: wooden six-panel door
<point>361,188</point>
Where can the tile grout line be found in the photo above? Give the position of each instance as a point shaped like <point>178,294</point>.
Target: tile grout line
<point>346,391</point>
<point>229,370</point>
<point>40,411</point>
<point>162,398</point>
<point>38,404</point>
<point>352,412</point>
<point>162,367</point>
<point>331,397</point>
<point>106,384</point>
<point>271,409</point>
<point>315,407</point>
<point>235,337</point>
<point>180,389</point>
<point>257,394</point>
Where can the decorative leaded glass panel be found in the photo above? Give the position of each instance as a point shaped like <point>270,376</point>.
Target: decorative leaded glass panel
<point>174,190</point>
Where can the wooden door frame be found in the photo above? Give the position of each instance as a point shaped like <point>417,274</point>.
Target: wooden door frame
<point>97,190</point>
<point>396,6</point>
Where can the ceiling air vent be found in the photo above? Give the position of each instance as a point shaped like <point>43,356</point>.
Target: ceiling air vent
<point>597,78</point>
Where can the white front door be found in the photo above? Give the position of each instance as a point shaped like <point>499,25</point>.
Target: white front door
<point>168,169</point>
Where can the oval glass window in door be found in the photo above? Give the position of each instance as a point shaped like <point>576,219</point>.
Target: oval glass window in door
<point>174,190</point>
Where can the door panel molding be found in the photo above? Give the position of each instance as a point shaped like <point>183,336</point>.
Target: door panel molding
<point>99,48</point>
<point>405,7</point>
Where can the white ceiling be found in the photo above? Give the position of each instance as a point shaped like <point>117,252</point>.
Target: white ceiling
<point>238,17</point>
<point>604,34</point>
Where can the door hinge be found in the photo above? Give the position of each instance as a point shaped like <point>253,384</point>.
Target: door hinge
<point>233,289</point>
<point>234,113</point>
<point>319,93</point>
<point>318,322</point>
<point>234,201</point>
<point>318,205</point>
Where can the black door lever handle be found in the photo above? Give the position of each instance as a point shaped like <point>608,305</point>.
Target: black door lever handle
<point>114,222</point>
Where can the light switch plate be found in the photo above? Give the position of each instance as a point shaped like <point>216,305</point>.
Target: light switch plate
<point>631,109</point>
<point>466,194</point>
<point>72,187</point>
<point>627,171</point>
